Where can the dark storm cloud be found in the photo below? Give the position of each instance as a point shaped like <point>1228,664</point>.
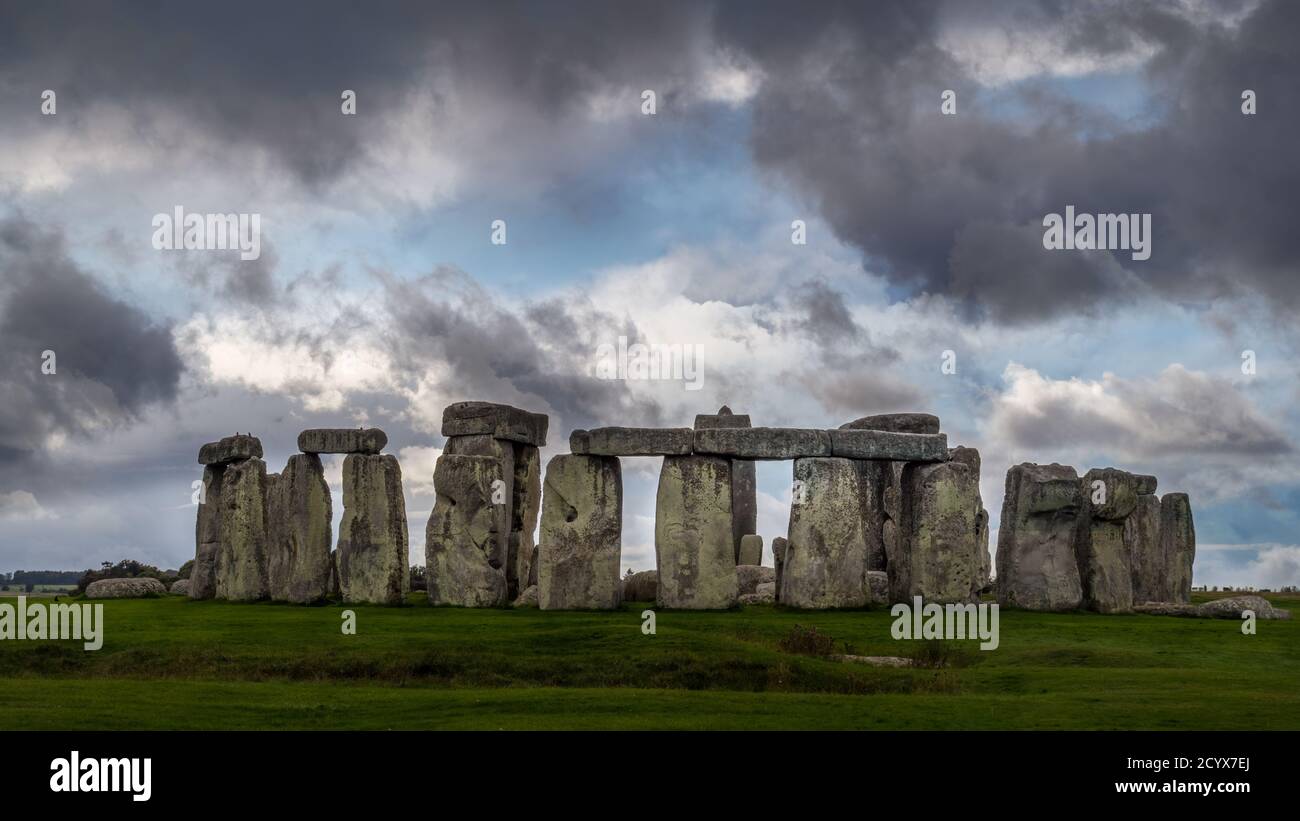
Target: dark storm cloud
<point>111,360</point>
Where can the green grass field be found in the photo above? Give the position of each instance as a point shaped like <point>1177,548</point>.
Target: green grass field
<point>172,663</point>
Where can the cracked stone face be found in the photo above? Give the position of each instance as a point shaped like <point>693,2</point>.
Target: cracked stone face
<point>582,525</point>
<point>694,539</point>
<point>299,531</point>
<point>241,571</point>
<point>463,539</point>
<point>1037,568</point>
<point>373,565</point>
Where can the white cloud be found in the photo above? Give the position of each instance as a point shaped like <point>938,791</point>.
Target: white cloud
<point>1247,565</point>
<point>21,505</point>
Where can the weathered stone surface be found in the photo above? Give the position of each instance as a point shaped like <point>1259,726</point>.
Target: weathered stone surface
<point>525,508</point>
<point>939,559</point>
<point>342,440</point>
<point>527,598</point>
<point>241,566</point>
<point>724,418</point>
<point>643,586</point>
<point>1142,543</point>
<point>136,588</point>
<point>694,545</point>
<point>373,553</point>
<point>498,421</point>
<point>207,535</point>
<point>465,563</point>
<point>1144,484</point>
<point>763,443</point>
<point>896,422</point>
<point>503,500</point>
<point>744,491</point>
<point>778,562</point>
<point>300,531</point>
<point>878,586</point>
<point>1109,497</point>
<point>765,597</point>
<point>581,541</point>
<point>1037,569</point>
<point>231,449</point>
<point>1177,545</point>
<point>766,589</point>
<point>181,587</point>
<point>532,567</point>
<point>1110,493</point>
<point>582,532</point>
<point>750,576</point>
<point>751,549</point>
<point>1233,607</point>
<point>899,447</point>
<point>834,523</point>
<point>632,441</point>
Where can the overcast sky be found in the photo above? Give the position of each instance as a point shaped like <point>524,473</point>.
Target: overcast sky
<point>379,296</point>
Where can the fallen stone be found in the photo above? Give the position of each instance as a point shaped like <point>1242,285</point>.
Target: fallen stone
<point>373,553</point>
<point>231,449</point>
<point>834,524</point>
<point>939,555</point>
<point>763,443</point>
<point>241,566</point>
<point>1177,545</point>
<point>642,586</point>
<point>896,422</point>
<point>207,535</point>
<point>898,447</point>
<point>765,597</point>
<point>1234,606</point>
<point>527,598</point>
<point>632,441</point>
<point>750,576</point>
<point>582,527</point>
<point>751,549</point>
<point>136,588</point>
<point>694,545</point>
<point>180,588</point>
<point>464,562</point>
<point>874,661</point>
<point>342,440</point>
<point>1037,569</point>
<point>1142,542</point>
<point>766,589</point>
<point>498,421</point>
<point>1153,608</point>
<point>300,531</point>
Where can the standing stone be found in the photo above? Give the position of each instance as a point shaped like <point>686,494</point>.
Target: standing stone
<point>939,557</point>
<point>744,485</point>
<point>1109,497</point>
<point>1142,542</point>
<point>751,549</point>
<point>497,421</point>
<point>694,538</point>
<point>373,557</point>
<point>503,498</point>
<point>525,507</point>
<point>1037,569</point>
<point>463,546</point>
<point>207,535</point>
<point>582,527</point>
<point>1178,546</point>
<point>778,562</point>
<point>241,561</point>
<point>834,526</point>
<point>300,529</point>
<point>641,586</point>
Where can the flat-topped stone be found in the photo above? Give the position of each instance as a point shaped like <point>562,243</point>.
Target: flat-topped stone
<point>499,421</point>
<point>235,448</point>
<point>763,443</point>
<point>896,423</point>
<point>342,440</point>
<point>632,441</point>
<point>895,447</point>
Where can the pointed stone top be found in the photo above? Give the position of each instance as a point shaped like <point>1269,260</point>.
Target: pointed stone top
<point>724,411</point>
